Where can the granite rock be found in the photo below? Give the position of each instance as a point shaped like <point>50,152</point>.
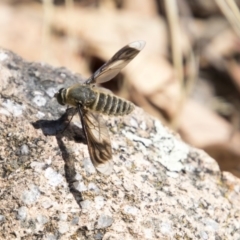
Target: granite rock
<point>160,188</point>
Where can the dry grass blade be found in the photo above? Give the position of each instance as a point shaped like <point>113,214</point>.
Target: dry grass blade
<point>231,12</point>
<point>46,32</point>
<point>235,10</point>
<point>173,21</point>
<point>70,31</point>
<point>177,55</point>
<point>192,65</point>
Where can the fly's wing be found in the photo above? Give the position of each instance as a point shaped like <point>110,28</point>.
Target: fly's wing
<point>99,144</point>
<point>111,68</point>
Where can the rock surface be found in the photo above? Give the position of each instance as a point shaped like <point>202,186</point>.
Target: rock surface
<point>161,188</point>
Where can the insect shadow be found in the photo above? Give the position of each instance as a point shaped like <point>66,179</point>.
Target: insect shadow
<point>63,127</point>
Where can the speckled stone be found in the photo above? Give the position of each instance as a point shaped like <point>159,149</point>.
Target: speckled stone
<point>160,188</point>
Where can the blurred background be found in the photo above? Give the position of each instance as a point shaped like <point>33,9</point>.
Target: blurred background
<point>188,74</point>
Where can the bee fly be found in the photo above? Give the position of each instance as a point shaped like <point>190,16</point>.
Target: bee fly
<point>91,100</point>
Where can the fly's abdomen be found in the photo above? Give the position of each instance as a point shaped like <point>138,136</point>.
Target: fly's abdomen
<point>111,105</point>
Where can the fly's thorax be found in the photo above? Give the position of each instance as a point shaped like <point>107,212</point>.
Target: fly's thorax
<point>110,104</point>
<point>80,94</point>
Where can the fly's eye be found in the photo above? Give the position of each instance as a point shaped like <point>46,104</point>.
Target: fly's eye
<point>60,96</point>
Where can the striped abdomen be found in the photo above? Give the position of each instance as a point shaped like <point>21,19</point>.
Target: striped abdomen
<point>111,105</point>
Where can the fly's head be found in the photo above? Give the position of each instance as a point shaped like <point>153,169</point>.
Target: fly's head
<point>61,96</point>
